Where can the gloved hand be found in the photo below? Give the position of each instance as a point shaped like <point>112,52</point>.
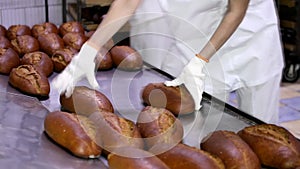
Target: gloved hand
<point>81,66</point>
<point>192,77</point>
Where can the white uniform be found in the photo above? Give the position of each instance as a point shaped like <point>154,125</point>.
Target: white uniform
<point>168,34</point>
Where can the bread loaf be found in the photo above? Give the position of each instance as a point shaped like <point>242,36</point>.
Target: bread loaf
<point>50,43</point>
<point>234,152</point>
<point>74,39</point>
<point>43,28</point>
<point>182,156</point>
<point>17,30</point>
<point>40,60</point>
<point>2,30</point>
<point>9,59</point>
<point>85,101</point>
<point>126,58</point>
<point>104,60</point>
<point>25,44</point>
<point>61,58</point>
<point>28,80</point>
<point>73,132</point>
<point>133,158</point>
<point>176,99</point>
<point>71,26</point>
<point>5,43</point>
<point>158,125</point>
<point>274,145</point>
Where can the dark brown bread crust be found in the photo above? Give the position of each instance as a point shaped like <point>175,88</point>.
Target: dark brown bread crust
<point>176,99</point>
<point>28,80</point>
<point>2,30</point>
<point>61,58</point>
<point>104,60</point>
<point>40,60</point>
<point>274,145</point>
<point>132,158</point>
<point>74,40</point>
<point>71,26</point>
<point>126,58</point>
<point>72,132</point>
<point>182,156</point>
<point>234,152</point>
<point>17,30</point>
<point>25,44</point>
<point>50,43</point>
<point>43,28</point>
<point>5,43</point>
<point>9,59</point>
<point>86,101</point>
<point>158,125</point>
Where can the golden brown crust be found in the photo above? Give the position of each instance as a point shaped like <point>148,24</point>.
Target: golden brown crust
<point>234,152</point>
<point>50,43</point>
<point>182,156</point>
<point>274,145</point>
<point>158,125</point>
<point>28,80</point>
<point>9,59</point>
<point>132,158</point>
<point>43,28</point>
<point>86,101</point>
<point>25,44</point>
<point>74,39</point>
<point>61,58</point>
<point>68,131</point>
<point>71,26</point>
<point>126,58</point>
<point>17,30</point>
<point>176,99</point>
<point>40,60</point>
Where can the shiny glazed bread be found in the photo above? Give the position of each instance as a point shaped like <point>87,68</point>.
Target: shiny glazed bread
<point>50,43</point>
<point>9,59</point>
<point>182,156</point>
<point>234,152</point>
<point>74,40</point>
<point>176,99</point>
<point>40,60</point>
<point>71,26</point>
<point>133,158</point>
<point>28,80</point>
<point>43,28</point>
<point>126,58</point>
<point>17,30</point>
<point>104,60</point>
<point>5,43</point>
<point>73,132</point>
<point>274,145</point>
<point>62,57</point>
<point>158,125</point>
<point>25,44</point>
<point>85,101</point>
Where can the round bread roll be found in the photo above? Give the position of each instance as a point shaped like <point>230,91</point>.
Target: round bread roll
<point>73,132</point>
<point>43,28</point>
<point>28,80</point>
<point>40,60</point>
<point>104,60</point>
<point>234,152</point>
<point>62,57</point>
<point>25,44</point>
<point>74,39</point>
<point>178,100</point>
<point>50,43</point>
<point>17,30</point>
<point>71,26</point>
<point>129,157</point>
<point>126,58</point>
<point>5,43</point>
<point>182,156</point>
<point>158,125</point>
<point>9,59</point>
<point>2,30</point>
<point>274,145</point>
<point>85,101</point>
<point>114,132</point>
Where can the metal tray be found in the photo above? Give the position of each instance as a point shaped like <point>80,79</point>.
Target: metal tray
<point>23,143</point>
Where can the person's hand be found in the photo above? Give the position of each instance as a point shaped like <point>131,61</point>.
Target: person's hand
<point>81,66</point>
<point>192,77</point>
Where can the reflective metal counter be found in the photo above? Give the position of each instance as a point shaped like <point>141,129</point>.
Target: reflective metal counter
<point>23,143</point>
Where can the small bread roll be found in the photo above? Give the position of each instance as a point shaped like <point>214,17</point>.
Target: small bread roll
<point>9,59</point>
<point>17,30</point>
<point>43,28</point>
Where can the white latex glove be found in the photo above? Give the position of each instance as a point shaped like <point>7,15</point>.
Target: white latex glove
<point>192,77</point>
<point>81,66</point>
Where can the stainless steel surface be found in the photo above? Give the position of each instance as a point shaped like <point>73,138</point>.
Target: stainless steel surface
<point>23,143</point>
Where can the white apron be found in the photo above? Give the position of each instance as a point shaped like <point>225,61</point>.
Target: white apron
<point>169,34</point>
